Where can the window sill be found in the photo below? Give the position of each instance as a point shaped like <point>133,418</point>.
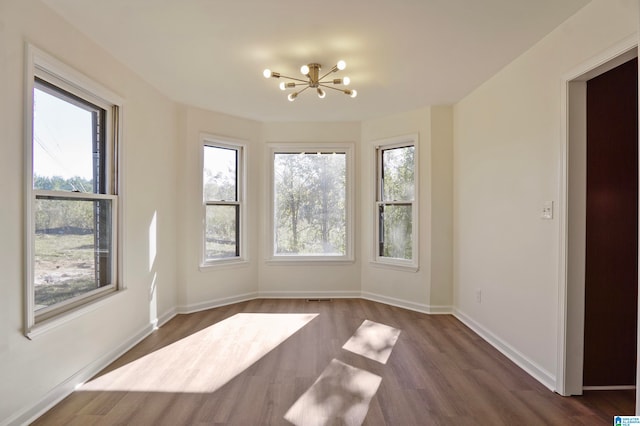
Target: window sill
<point>395,266</point>
<point>224,263</point>
<point>309,260</point>
<point>45,326</point>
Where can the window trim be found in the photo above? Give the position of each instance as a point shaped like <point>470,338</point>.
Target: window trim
<point>43,66</point>
<point>377,147</point>
<point>216,141</point>
<point>343,147</point>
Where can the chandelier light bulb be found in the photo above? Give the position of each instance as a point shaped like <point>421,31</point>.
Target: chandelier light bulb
<point>283,85</point>
<point>354,93</point>
<point>292,96</point>
<point>341,65</point>
<point>304,69</point>
<point>346,81</point>
<point>266,73</point>
<point>321,93</point>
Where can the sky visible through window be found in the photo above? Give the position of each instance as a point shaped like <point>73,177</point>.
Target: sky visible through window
<point>62,138</point>
<point>72,251</point>
<point>220,174</point>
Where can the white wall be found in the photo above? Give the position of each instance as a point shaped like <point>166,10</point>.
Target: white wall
<point>441,237</point>
<point>29,370</point>
<point>429,288</point>
<point>507,155</point>
<point>200,288</point>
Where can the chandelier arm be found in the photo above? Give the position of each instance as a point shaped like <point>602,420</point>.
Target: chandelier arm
<point>295,79</point>
<point>303,89</point>
<point>331,87</point>
<point>333,69</point>
<point>329,82</point>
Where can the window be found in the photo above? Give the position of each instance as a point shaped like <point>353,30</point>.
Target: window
<point>222,187</point>
<point>72,191</point>
<point>311,199</point>
<point>396,205</point>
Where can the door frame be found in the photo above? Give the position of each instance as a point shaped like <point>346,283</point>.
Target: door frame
<point>572,214</point>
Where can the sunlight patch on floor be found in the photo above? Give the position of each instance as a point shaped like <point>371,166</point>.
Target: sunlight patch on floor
<point>341,395</point>
<point>373,340</point>
<point>206,360</point>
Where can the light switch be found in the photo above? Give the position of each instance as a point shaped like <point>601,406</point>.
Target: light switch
<point>547,210</point>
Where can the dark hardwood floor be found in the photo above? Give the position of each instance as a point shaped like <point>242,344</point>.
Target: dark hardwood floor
<point>235,365</point>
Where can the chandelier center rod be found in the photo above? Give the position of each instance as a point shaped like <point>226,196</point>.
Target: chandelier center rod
<point>314,73</point>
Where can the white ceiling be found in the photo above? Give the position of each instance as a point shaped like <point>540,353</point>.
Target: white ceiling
<point>400,54</point>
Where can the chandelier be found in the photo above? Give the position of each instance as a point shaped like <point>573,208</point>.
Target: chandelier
<point>314,81</point>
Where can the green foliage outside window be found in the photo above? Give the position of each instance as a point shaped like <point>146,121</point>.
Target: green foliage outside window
<point>310,204</point>
<point>397,193</point>
<point>220,185</point>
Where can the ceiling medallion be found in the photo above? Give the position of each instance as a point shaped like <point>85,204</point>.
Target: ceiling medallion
<point>312,71</point>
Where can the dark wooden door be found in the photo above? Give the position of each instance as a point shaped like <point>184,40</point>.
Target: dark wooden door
<point>611,287</point>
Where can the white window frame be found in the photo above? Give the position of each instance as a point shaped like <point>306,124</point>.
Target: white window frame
<point>241,148</point>
<point>41,65</point>
<point>348,150</point>
<point>379,146</point>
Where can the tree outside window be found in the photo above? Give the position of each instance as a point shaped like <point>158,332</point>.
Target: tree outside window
<point>222,201</point>
<point>311,207</point>
<point>396,206</point>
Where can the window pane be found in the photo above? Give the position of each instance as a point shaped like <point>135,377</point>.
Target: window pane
<point>73,252</point>
<point>220,174</point>
<point>396,231</point>
<point>310,204</point>
<point>397,174</point>
<point>221,234</point>
<point>63,143</point>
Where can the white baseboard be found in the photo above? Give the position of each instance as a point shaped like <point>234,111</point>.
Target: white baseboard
<point>163,319</point>
<point>533,369</point>
<point>335,294</point>
<point>216,303</point>
<point>412,306</point>
<point>308,294</point>
<point>65,388</point>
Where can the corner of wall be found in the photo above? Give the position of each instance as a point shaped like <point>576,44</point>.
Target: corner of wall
<point>441,168</point>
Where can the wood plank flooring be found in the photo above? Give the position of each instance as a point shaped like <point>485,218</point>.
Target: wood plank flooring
<point>202,369</point>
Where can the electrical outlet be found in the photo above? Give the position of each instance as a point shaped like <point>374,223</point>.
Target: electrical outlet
<point>479,296</point>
